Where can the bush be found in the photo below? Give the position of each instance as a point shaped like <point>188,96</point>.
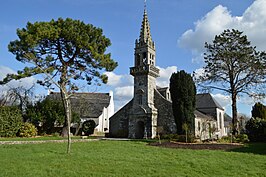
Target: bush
<point>225,139</point>
<point>27,130</point>
<point>179,138</point>
<point>171,137</point>
<point>242,138</point>
<point>88,127</point>
<point>256,129</point>
<point>10,121</point>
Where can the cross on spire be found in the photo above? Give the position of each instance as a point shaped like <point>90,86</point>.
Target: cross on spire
<point>145,5</point>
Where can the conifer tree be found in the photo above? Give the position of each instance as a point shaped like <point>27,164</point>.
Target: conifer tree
<point>235,67</point>
<point>183,94</point>
<point>65,51</point>
<point>259,111</point>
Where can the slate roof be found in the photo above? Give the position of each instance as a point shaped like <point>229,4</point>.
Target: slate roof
<point>205,100</point>
<point>202,115</point>
<point>227,118</point>
<point>88,105</point>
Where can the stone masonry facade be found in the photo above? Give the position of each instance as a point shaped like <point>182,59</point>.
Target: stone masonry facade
<point>149,110</point>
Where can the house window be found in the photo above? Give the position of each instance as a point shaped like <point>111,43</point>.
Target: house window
<point>220,120</point>
<point>199,126</point>
<point>203,126</point>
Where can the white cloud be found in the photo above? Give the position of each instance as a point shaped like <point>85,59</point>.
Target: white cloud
<point>123,85</point>
<point>199,73</point>
<point>25,82</point>
<point>223,100</point>
<point>165,74</point>
<point>252,22</point>
<point>113,79</point>
<point>122,95</point>
<point>119,80</point>
<point>124,92</point>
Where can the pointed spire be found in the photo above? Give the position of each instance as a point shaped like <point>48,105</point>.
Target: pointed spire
<point>145,33</point>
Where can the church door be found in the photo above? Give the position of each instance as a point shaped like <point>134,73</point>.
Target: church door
<point>140,130</point>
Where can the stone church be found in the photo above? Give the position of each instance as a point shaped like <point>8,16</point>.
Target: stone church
<point>150,110</point>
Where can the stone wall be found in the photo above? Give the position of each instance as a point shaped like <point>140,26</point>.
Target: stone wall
<point>165,113</point>
<point>119,122</point>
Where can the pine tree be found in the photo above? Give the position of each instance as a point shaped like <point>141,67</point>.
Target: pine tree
<point>64,51</point>
<point>234,67</point>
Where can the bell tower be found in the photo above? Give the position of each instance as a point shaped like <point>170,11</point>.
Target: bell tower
<point>143,119</point>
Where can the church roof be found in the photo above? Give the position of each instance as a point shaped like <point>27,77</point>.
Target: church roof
<point>145,32</point>
<point>205,100</point>
<point>87,105</point>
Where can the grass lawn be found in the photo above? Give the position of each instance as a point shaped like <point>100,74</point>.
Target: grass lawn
<point>41,138</point>
<point>128,158</point>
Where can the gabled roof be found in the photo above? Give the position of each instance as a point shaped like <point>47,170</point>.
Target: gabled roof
<point>88,105</point>
<point>201,115</point>
<point>205,100</point>
<point>227,118</point>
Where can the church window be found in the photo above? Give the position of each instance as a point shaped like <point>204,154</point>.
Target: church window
<point>140,99</point>
<point>138,60</point>
<point>144,57</point>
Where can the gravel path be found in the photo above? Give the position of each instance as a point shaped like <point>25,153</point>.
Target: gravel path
<point>45,141</point>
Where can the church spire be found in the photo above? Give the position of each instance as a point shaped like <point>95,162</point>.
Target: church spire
<point>145,33</point>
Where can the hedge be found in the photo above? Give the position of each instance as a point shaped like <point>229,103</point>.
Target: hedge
<point>10,121</point>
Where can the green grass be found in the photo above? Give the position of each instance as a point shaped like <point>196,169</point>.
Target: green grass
<point>40,138</point>
<point>127,158</point>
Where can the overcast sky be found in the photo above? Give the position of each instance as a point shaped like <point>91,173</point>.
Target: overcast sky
<point>179,28</point>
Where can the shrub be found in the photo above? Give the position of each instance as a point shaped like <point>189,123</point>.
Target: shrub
<point>256,129</point>
<point>225,139</point>
<point>190,138</point>
<point>171,137</point>
<point>10,121</point>
<point>88,127</point>
<point>27,130</point>
<point>179,138</point>
<point>242,138</point>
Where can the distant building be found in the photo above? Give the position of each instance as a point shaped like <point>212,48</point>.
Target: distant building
<point>98,107</point>
<point>151,106</point>
<point>212,116</point>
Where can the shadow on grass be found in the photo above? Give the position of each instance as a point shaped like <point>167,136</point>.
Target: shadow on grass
<point>255,148</point>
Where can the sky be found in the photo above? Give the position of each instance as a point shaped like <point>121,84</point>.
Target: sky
<point>179,28</point>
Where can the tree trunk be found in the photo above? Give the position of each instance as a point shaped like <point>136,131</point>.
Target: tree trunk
<point>67,124</point>
<point>234,113</point>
